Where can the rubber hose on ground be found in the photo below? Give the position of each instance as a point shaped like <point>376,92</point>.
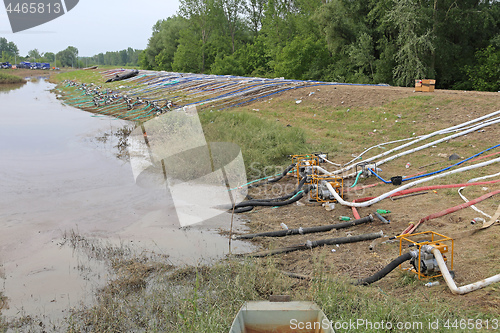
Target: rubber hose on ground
<point>287,170</point>
<point>386,270</point>
<point>273,203</point>
<point>301,183</point>
<point>274,180</point>
<point>242,209</point>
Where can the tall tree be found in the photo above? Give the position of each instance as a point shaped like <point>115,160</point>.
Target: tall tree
<point>198,13</point>
<point>232,11</point>
<point>34,54</point>
<point>255,13</point>
<point>414,42</point>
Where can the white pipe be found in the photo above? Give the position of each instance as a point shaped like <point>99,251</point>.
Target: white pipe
<point>438,141</point>
<point>424,137</point>
<point>445,131</point>
<point>323,171</point>
<point>379,146</point>
<point>449,280</point>
<point>338,165</point>
<point>473,207</point>
<point>423,180</point>
<point>473,180</point>
<point>472,129</point>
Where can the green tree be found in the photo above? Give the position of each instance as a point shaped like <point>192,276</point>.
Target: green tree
<point>49,56</point>
<point>414,43</point>
<point>485,75</point>
<point>255,14</point>
<point>232,11</point>
<point>8,50</point>
<point>163,44</point>
<point>68,57</point>
<point>198,12</point>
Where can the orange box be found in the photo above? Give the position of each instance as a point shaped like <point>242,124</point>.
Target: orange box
<point>425,85</point>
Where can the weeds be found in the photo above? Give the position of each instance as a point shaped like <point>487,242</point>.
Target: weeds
<point>265,143</point>
<point>206,299</point>
<point>10,79</point>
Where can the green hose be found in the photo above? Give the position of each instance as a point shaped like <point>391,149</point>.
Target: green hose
<point>357,178</point>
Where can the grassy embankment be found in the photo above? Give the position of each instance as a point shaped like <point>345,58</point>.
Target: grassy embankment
<point>148,295</point>
<point>10,79</point>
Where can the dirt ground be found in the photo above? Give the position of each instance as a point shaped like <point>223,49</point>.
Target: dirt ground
<point>475,252</point>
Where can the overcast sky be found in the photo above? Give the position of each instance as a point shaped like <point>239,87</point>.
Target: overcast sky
<point>93,26</point>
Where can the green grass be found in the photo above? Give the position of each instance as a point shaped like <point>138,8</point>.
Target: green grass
<point>206,299</point>
<point>265,145</point>
<point>10,79</point>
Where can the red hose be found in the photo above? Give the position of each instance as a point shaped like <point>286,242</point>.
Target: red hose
<point>412,228</point>
<point>482,157</point>
<point>418,189</point>
<point>355,211</point>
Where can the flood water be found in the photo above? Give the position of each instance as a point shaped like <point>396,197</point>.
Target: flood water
<point>59,173</point>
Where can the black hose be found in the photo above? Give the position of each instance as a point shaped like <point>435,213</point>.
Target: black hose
<point>386,270</point>
<point>273,203</point>
<point>287,170</point>
<point>274,180</point>
<point>309,245</point>
<point>242,209</point>
<point>303,231</point>
<point>269,202</point>
<point>301,183</point>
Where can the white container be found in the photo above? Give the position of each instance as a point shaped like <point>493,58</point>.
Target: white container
<point>286,317</point>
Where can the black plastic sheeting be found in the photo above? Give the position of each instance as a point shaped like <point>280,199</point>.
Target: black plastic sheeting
<point>124,76</point>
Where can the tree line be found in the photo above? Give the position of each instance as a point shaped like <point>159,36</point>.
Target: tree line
<point>68,57</point>
<point>456,42</point>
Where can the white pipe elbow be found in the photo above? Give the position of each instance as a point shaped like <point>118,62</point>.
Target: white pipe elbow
<point>451,284</point>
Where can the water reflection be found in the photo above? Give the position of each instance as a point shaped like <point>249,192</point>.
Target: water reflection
<point>59,172</point>
<point>6,88</point>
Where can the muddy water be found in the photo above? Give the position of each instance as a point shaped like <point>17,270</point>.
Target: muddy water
<point>58,173</point>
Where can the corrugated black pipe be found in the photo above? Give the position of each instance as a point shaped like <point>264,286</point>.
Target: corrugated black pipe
<point>270,202</point>
<point>273,203</point>
<point>302,231</point>
<point>386,270</point>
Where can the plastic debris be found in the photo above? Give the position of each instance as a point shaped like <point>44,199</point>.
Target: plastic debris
<point>477,220</point>
<point>284,226</point>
